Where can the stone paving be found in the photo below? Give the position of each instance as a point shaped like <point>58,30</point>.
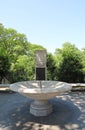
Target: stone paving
<point>68,113</point>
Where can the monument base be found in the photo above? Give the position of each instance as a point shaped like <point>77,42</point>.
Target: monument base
<point>40,108</point>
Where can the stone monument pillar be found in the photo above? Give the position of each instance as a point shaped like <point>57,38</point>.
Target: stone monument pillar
<point>40,107</point>
<point>40,64</point>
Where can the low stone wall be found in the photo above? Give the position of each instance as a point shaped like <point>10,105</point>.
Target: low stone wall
<point>78,86</point>
<point>4,87</point>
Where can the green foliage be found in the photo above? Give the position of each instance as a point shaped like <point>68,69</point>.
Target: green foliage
<point>23,68</point>
<point>83,61</point>
<point>69,65</point>
<point>51,67</point>
<point>17,59</point>
<point>4,67</point>
<point>20,54</point>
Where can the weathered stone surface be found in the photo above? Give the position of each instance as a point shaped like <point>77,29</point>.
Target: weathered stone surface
<point>41,92</point>
<point>40,108</point>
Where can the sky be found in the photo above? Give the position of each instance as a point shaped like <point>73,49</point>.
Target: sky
<point>49,23</point>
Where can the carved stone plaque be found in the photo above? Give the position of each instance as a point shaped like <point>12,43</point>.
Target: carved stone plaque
<point>40,58</point>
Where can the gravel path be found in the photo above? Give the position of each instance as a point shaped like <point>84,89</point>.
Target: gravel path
<point>68,113</point>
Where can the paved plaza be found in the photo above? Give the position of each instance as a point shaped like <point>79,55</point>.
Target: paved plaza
<point>68,113</point>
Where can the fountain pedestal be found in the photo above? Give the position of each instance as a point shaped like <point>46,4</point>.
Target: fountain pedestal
<point>40,108</point>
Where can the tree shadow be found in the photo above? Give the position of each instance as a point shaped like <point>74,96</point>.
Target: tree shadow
<point>66,114</point>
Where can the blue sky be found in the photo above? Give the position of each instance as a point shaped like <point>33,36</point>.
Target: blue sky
<point>49,23</point>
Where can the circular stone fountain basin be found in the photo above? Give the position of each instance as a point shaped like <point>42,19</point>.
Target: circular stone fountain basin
<point>40,91</point>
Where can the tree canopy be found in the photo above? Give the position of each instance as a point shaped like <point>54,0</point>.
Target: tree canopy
<point>17,60</point>
<point>15,47</point>
<point>68,60</point>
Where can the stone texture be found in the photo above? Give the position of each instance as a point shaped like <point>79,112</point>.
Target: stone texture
<point>41,92</point>
<point>40,108</point>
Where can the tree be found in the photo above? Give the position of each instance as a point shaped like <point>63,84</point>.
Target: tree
<point>69,65</point>
<point>13,44</point>
<point>4,67</point>
<point>51,67</point>
<point>83,61</point>
<point>19,52</point>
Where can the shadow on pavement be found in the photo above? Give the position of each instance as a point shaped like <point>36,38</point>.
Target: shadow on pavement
<point>67,113</point>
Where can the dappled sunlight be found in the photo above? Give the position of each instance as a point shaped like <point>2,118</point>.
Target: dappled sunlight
<point>40,90</point>
<point>40,87</point>
<point>68,113</point>
<point>71,126</point>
